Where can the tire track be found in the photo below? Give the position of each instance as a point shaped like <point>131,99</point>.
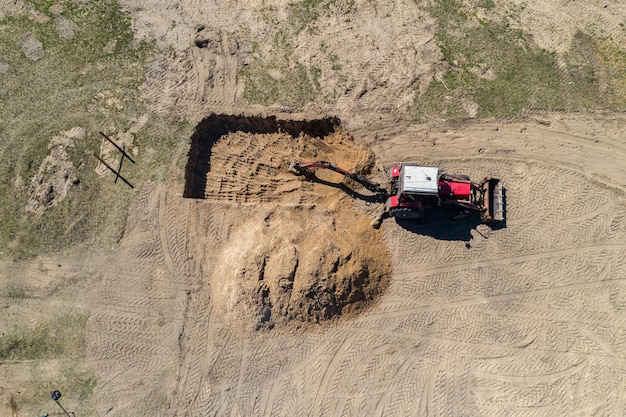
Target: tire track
<point>562,382</point>
<point>357,372</point>
<point>243,365</point>
<point>392,396</point>
<point>177,224</point>
<point>168,258</point>
<point>299,366</point>
<point>337,357</point>
<point>522,276</point>
<point>518,325</point>
<point>133,330</point>
<point>481,350</point>
<point>484,300</point>
<point>520,258</point>
<point>189,353</point>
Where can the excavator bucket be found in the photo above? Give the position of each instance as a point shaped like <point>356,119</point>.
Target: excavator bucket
<point>294,167</point>
<point>494,200</point>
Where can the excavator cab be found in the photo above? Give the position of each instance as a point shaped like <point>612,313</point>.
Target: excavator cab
<point>416,188</point>
<point>413,189</point>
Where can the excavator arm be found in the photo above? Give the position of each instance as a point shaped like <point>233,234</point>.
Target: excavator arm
<point>304,168</point>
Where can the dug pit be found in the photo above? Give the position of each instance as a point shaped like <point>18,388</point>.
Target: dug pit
<point>298,254</point>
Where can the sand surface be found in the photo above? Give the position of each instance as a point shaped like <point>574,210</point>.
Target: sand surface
<point>522,320</point>
<point>475,321</point>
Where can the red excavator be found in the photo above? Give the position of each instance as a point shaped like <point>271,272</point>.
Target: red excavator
<point>414,189</point>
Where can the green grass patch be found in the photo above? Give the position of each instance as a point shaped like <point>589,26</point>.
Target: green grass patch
<point>274,76</point>
<point>496,67</point>
<point>75,383</point>
<point>614,62</point>
<point>89,81</point>
<point>109,28</point>
<point>62,338</point>
<point>16,291</point>
<point>43,6</point>
<point>76,386</point>
<point>304,14</point>
<point>292,86</point>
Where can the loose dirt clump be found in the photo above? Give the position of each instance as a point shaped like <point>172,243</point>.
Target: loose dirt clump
<point>32,47</point>
<point>56,174</point>
<point>66,28</point>
<point>301,254</point>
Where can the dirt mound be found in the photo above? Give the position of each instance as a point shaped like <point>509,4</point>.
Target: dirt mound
<point>305,257</point>
<point>298,265</point>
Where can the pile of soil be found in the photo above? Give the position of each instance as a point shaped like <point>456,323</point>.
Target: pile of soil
<point>301,255</point>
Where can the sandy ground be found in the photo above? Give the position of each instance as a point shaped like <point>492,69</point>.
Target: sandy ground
<point>525,320</point>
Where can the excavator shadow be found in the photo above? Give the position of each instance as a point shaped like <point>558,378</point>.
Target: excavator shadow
<point>445,225</point>
<point>442,229</point>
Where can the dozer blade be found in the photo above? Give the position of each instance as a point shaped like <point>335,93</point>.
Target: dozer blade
<point>494,200</point>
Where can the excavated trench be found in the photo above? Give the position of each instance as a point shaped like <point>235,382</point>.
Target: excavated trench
<point>215,126</point>
<point>297,252</point>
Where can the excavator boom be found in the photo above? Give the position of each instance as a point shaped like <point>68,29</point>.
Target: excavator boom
<point>304,168</point>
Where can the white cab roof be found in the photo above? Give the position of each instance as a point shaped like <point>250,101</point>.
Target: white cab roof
<point>418,179</point>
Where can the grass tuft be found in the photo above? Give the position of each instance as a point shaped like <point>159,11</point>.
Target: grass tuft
<point>62,338</point>
<point>499,69</point>
<point>90,81</point>
<point>273,77</point>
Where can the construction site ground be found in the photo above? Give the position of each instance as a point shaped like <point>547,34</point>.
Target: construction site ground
<point>473,320</point>
<point>238,288</point>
